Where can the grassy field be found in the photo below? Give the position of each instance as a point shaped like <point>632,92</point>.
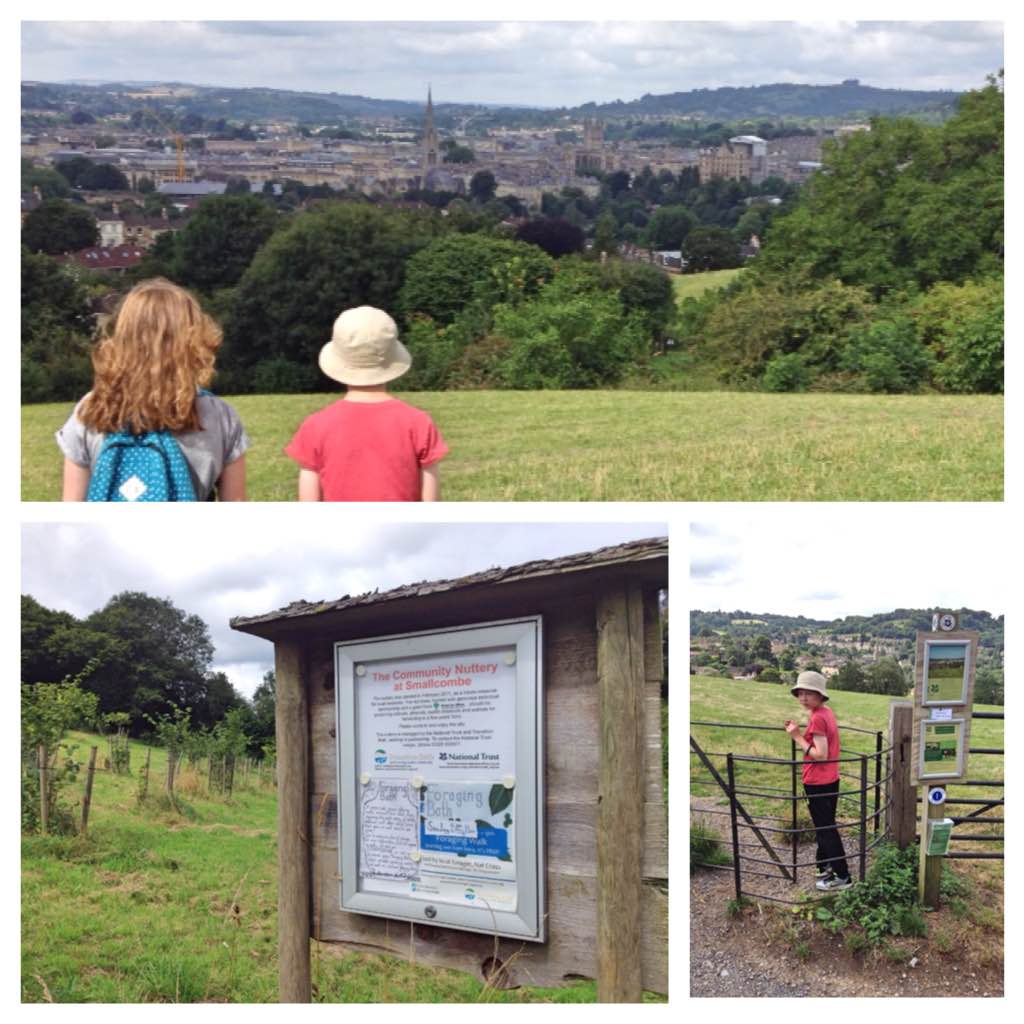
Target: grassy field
<point>692,286</point>
<point>646,446</point>
<point>723,700</point>
<point>159,906</point>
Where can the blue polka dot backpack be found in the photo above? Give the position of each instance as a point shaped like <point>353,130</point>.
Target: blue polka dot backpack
<point>141,467</point>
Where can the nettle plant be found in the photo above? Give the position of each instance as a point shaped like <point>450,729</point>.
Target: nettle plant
<point>884,904</point>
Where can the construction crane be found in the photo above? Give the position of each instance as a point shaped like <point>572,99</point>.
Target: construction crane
<point>179,142</point>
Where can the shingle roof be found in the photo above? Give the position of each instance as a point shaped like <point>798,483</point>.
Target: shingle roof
<point>633,551</point>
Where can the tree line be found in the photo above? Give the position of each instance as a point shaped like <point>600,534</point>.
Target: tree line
<point>142,657</point>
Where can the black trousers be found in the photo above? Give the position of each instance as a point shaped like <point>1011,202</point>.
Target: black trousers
<point>822,800</point>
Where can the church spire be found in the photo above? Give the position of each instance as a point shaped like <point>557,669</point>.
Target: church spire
<point>430,145</point>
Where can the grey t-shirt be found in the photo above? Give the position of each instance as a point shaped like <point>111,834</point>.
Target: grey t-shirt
<point>221,440</point>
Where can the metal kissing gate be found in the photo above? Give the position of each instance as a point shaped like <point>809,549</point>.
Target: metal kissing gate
<point>866,778</point>
<point>763,845</point>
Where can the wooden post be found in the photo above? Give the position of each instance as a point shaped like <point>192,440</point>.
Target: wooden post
<point>44,796</point>
<point>902,795</point>
<point>620,820</point>
<point>170,772</point>
<point>87,798</point>
<point>929,873</point>
<point>293,850</point>
<point>145,776</point>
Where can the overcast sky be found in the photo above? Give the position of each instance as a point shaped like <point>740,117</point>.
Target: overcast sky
<point>826,562</point>
<point>543,63</point>
<point>252,563</point>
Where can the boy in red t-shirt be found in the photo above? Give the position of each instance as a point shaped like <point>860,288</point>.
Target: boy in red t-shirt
<point>367,446</point>
<point>820,744</point>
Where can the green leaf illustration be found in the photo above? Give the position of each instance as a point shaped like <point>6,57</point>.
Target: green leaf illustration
<point>500,798</point>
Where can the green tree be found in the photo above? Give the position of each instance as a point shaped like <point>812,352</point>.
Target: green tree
<point>443,278</point>
<point>988,686</point>
<point>57,226</point>
<point>51,185</point>
<point>904,205</point>
<point>554,235</point>
<point>669,227</point>
<point>849,677</point>
<point>329,259</point>
<point>886,676</point>
<point>459,155</point>
<point>55,331</point>
<point>167,655</point>
<point>216,246</point>
<point>482,186</point>
<point>707,248</point>
<point>262,721</point>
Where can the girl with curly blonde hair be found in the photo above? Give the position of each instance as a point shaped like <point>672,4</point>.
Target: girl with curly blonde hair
<point>150,367</point>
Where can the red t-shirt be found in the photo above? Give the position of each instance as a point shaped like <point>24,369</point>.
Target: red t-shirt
<point>368,451</point>
<point>822,722</point>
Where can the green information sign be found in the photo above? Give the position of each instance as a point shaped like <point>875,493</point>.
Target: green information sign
<point>941,748</point>
<point>938,837</point>
<point>947,673</point>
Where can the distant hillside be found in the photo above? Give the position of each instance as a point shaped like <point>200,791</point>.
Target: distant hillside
<point>900,624</point>
<point>724,104</point>
<point>779,100</point>
<point>230,104</point>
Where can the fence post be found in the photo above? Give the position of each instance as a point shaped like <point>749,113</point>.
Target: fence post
<point>44,797</point>
<point>145,774</point>
<point>620,812</point>
<point>87,798</point>
<point>929,868</point>
<point>878,777</point>
<point>902,812</point>
<point>293,867</point>
<point>735,829</point>
<point>170,771</point>
<point>863,851</point>
<point>792,773</point>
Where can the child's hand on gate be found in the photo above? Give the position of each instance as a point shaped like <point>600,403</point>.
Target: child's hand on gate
<point>792,728</point>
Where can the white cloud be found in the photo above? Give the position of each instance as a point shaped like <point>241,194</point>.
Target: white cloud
<point>222,566</point>
<point>540,62</point>
<point>830,561</point>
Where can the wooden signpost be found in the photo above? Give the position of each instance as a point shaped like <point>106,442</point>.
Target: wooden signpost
<point>943,697</point>
<point>414,704</point>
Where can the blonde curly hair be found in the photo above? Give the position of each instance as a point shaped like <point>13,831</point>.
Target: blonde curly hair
<point>156,353</point>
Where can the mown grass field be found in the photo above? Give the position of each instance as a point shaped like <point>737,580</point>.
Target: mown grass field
<point>692,286</point>
<point>645,446</point>
<point>724,700</point>
<point>153,905</point>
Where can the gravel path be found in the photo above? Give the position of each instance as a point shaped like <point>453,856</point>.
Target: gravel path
<point>752,955</point>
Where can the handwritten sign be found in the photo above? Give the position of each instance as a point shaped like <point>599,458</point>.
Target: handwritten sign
<point>388,824</point>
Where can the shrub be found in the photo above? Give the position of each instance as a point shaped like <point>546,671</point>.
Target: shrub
<point>278,375</point>
<point>885,903</point>
<point>963,327</point>
<point>571,336</point>
<point>888,357</point>
<point>786,372</point>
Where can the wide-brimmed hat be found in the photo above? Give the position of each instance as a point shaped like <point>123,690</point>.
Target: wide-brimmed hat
<point>810,681</point>
<point>364,349</point>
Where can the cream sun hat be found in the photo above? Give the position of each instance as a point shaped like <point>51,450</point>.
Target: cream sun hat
<point>810,681</point>
<point>364,349</point>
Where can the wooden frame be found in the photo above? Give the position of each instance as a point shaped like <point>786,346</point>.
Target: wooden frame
<point>606,829</point>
